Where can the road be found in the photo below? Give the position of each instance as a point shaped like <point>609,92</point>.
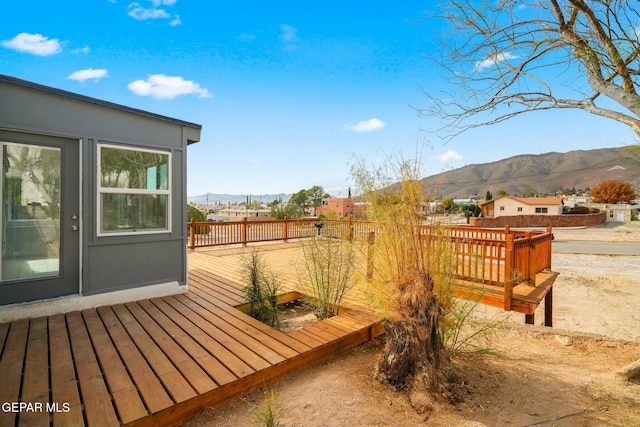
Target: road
<point>595,247</point>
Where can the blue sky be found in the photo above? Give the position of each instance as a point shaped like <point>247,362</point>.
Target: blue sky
<point>287,92</point>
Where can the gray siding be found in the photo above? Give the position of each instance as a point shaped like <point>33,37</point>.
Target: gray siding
<point>109,262</point>
<point>125,265</point>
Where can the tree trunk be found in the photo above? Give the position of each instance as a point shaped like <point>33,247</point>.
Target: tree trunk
<point>413,346</point>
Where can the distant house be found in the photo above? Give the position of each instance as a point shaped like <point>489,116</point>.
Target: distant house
<point>513,206</point>
<point>336,207</point>
<point>236,214</point>
<point>618,212</point>
<point>93,198</point>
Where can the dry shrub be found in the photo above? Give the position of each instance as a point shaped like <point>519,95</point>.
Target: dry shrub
<point>325,273</point>
<point>410,275</point>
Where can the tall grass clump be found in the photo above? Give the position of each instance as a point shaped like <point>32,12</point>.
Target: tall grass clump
<point>262,288</point>
<point>271,414</point>
<point>325,273</point>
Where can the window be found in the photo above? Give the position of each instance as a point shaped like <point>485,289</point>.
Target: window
<point>134,190</point>
<point>519,208</point>
<point>541,210</point>
<point>501,208</point>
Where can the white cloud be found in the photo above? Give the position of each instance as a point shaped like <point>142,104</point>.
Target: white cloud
<point>449,155</point>
<point>289,33</point>
<point>366,126</point>
<point>175,21</point>
<point>36,44</point>
<point>167,87</point>
<point>494,59</point>
<point>289,37</point>
<point>88,74</point>
<point>84,49</point>
<point>142,14</point>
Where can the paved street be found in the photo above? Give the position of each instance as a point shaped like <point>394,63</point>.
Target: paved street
<point>596,247</point>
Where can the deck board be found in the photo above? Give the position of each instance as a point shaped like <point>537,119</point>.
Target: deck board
<point>34,388</point>
<point>11,366</point>
<point>121,387</point>
<point>225,367</point>
<point>96,399</point>
<point>187,365</point>
<point>162,360</point>
<point>248,349</point>
<point>151,390</point>
<point>64,385</point>
<point>174,383</point>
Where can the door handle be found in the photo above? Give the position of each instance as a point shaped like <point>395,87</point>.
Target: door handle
<point>74,228</point>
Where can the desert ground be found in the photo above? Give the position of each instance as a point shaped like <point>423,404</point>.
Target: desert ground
<point>531,375</point>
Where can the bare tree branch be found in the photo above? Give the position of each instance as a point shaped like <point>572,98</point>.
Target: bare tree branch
<point>509,57</point>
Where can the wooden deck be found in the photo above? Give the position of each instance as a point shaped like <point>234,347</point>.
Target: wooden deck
<point>160,361</point>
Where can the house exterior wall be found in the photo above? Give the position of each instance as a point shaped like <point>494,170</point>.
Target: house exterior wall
<point>506,206</point>
<point>340,207</point>
<point>235,214</point>
<point>109,263</point>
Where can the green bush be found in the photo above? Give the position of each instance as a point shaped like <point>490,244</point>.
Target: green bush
<point>261,290</point>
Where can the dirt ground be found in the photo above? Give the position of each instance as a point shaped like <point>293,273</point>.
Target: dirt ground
<point>534,376</point>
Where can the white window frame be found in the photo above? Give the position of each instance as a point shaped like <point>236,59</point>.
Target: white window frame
<point>108,190</point>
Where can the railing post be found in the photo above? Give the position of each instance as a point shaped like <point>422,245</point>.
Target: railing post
<point>531,267</point>
<point>285,229</point>
<point>549,248</point>
<point>370,241</point>
<point>243,231</point>
<point>509,269</point>
<point>192,238</point>
<point>350,228</point>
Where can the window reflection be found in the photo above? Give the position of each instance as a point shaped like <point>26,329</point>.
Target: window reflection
<point>30,188</point>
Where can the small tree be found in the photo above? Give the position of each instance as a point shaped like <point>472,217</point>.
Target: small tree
<point>488,196</point>
<point>303,200</point>
<point>471,210</point>
<point>411,274</point>
<point>194,213</point>
<point>448,205</point>
<point>613,191</point>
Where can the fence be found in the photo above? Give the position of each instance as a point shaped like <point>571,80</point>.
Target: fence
<point>498,257</point>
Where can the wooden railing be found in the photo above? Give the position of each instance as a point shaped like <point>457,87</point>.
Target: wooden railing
<point>499,257</point>
<point>207,234</point>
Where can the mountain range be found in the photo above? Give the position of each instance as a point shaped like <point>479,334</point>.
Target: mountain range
<point>542,174</point>
<point>228,199</point>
